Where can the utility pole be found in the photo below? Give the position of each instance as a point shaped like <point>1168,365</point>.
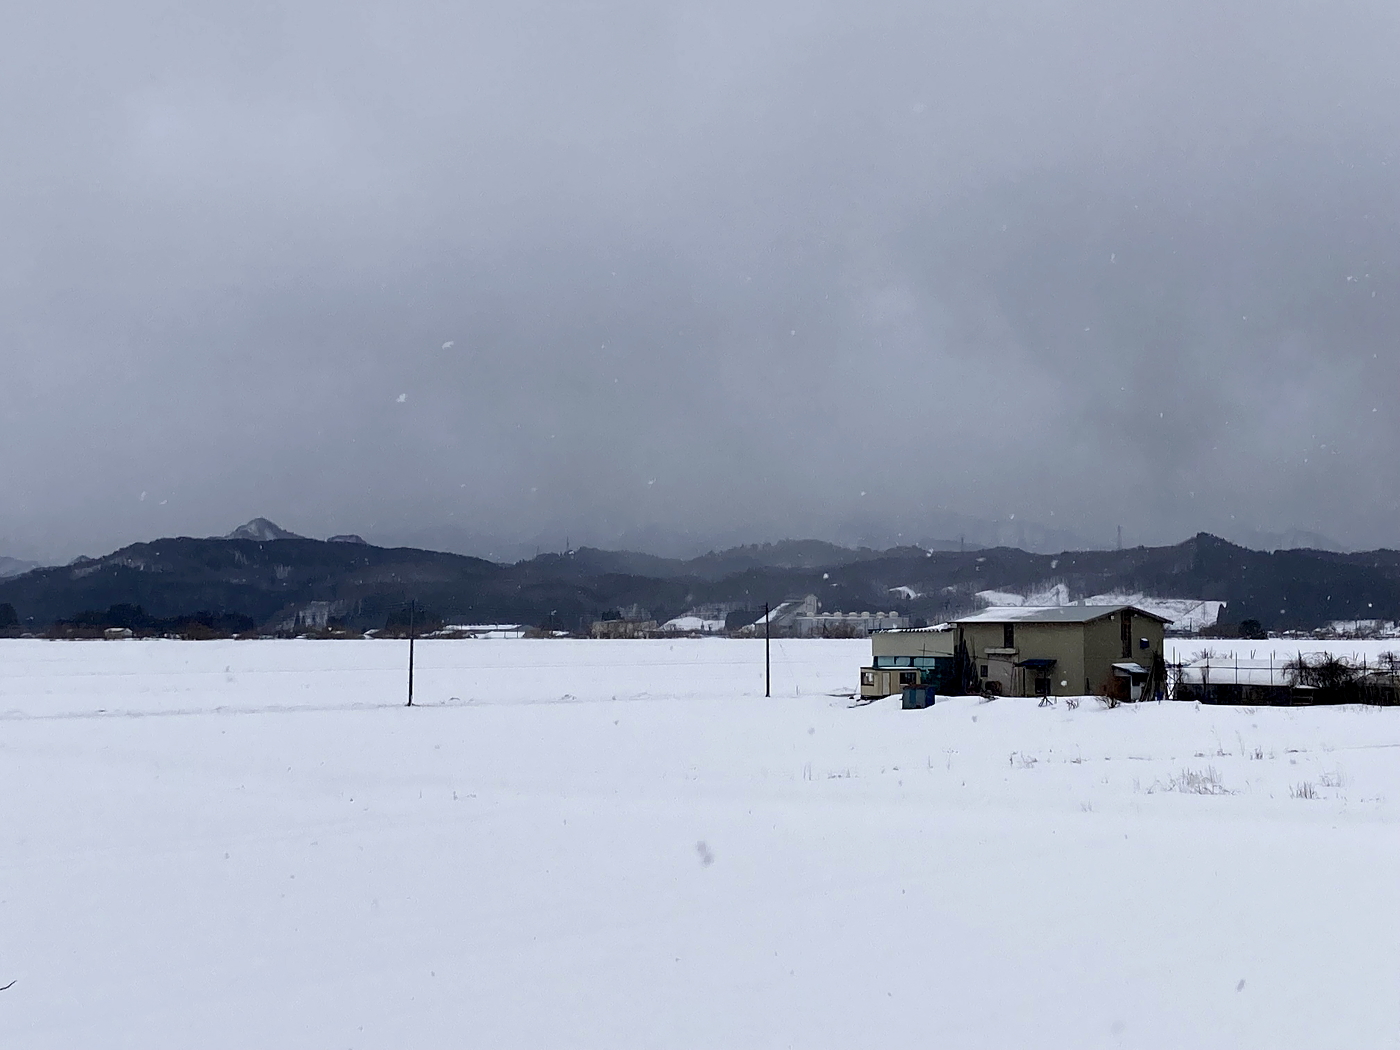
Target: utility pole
<point>767,661</point>
<point>1120,537</point>
<point>410,652</point>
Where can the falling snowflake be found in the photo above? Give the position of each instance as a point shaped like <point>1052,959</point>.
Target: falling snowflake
<point>402,398</point>
<point>449,344</point>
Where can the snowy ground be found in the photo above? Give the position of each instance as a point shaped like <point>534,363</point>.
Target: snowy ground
<point>623,844</point>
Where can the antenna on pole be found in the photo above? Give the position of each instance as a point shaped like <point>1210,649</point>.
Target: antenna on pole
<point>767,661</point>
<point>410,652</point>
<point>1120,537</point>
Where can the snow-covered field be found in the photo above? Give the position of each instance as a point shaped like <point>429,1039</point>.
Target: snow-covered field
<point>623,844</point>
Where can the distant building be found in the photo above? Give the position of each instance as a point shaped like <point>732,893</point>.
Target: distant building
<point>804,618</point>
<point>848,625</point>
<point>623,628</point>
<point>1069,650</point>
<point>1230,680</point>
<point>1288,679</point>
<point>691,624</point>
<point>783,617</point>
<point>481,630</point>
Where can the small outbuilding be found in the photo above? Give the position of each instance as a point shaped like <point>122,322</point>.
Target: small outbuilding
<point>910,657</point>
<point>1230,680</point>
<point>1066,650</point>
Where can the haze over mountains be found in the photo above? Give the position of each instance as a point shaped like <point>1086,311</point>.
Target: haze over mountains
<point>936,530</point>
<point>940,531</point>
<point>15,566</point>
<point>274,577</point>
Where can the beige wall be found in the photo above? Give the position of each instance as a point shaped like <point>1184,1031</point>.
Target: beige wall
<point>913,643</point>
<point>886,681</point>
<point>1061,642</point>
<point>1103,647</point>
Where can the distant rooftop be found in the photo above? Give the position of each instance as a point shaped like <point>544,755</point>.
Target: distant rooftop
<point>1053,614</point>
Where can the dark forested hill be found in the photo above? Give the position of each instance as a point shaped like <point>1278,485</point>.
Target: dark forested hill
<point>274,580</point>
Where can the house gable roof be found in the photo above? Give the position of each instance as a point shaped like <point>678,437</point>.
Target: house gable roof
<point>1054,614</point>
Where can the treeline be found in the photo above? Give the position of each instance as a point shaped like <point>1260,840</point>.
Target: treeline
<point>93,623</point>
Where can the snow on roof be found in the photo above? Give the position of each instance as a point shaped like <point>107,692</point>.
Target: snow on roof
<point>781,609</point>
<point>1052,614</point>
<point>931,628</point>
<point>693,623</point>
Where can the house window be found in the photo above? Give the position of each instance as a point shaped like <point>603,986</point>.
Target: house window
<point>867,678</point>
<point>1008,636</point>
<point>1143,643</point>
<point>907,678</point>
<point>1125,632</point>
<point>1042,687</point>
<point>984,670</point>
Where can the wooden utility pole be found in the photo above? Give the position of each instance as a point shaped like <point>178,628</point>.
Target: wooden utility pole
<point>767,661</point>
<point>410,652</point>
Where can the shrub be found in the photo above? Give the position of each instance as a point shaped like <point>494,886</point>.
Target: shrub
<point>1194,782</point>
<point>1253,629</point>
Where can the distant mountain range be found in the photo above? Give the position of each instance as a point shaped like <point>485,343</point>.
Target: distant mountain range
<point>14,566</point>
<point>280,579</point>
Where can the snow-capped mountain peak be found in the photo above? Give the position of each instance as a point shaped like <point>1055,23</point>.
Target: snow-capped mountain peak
<point>262,530</point>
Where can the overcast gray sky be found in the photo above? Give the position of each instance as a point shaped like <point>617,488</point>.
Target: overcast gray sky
<point>691,273</point>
